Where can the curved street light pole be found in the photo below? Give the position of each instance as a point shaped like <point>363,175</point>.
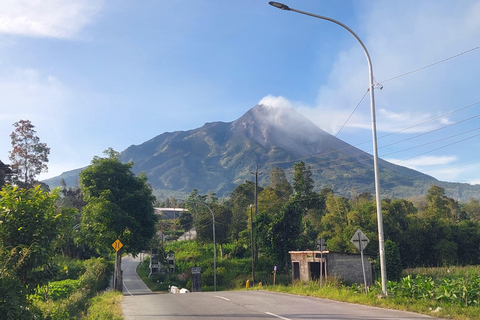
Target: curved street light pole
<point>214,248</point>
<point>381,241</point>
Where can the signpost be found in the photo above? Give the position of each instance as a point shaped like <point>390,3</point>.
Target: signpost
<point>321,246</point>
<point>196,279</point>
<point>117,277</point>
<point>274,274</point>
<point>360,241</point>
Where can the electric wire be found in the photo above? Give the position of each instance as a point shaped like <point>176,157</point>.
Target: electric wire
<point>381,147</point>
<point>430,65</point>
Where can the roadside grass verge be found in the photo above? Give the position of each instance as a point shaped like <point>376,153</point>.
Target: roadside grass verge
<point>106,306</point>
<point>334,291</point>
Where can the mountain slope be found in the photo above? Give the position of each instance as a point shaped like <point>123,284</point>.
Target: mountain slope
<point>219,156</point>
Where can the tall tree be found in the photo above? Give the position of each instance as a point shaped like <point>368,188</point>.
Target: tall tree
<point>279,183</point>
<point>28,157</point>
<point>119,205</point>
<point>472,209</point>
<point>240,200</point>
<point>302,179</point>
<point>186,220</point>
<point>284,232</point>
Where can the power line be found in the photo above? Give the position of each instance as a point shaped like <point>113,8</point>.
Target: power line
<point>459,166</point>
<point>430,65</point>
<point>421,154</point>
<point>427,143</point>
<point>381,147</point>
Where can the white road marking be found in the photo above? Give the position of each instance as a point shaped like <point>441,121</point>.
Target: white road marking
<point>226,299</point>
<point>127,289</point>
<point>276,315</point>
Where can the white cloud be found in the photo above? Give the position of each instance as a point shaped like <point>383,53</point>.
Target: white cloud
<point>425,161</point>
<point>47,18</point>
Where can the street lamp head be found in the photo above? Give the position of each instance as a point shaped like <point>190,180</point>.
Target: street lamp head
<point>279,5</point>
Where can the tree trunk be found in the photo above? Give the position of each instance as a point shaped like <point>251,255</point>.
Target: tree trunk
<point>117,276</point>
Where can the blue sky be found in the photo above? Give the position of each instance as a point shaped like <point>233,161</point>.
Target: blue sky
<point>95,74</point>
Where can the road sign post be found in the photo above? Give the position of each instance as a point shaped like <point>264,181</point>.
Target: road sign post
<point>360,241</point>
<point>321,246</point>
<point>117,275</point>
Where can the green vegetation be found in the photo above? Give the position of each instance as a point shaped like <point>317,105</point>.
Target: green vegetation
<point>106,307</point>
<point>233,270</point>
<point>69,298</point>
<point>55,247</point>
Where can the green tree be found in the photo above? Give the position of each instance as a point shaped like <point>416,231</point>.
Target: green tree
<point>270,203</point>
<point>393,261</point>
<point>29,225</point>
<point>467,237</point>
<point>303,183</point>
<point>28,157</point>
<point>279,183</point>
<point>119,205</point>
<point>472,209</point>
<point>335,223</point>
<point>186,220</point>
<point>72,197</point>
<point>240,200</point>
<point>284,232</point>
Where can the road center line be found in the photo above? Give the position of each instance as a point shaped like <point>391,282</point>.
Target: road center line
<point>276,315</point>
<point>226,299</point>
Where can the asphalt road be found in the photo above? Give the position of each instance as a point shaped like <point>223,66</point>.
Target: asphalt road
<point>132,284</point>
<point>140,303</point>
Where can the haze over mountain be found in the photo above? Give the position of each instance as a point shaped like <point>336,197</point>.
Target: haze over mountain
<point>219,156</point>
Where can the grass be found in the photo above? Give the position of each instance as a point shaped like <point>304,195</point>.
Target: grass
<point>335,291</point>
<point>444,272</point>
<point>106,306</point>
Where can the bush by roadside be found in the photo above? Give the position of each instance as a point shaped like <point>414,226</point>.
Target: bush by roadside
<point>69,298</point>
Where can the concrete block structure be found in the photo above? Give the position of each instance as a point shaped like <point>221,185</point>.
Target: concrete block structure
<point>347,266</point>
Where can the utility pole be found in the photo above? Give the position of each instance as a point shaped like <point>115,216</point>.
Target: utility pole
<point>253,249</point>
<point>256,204</point>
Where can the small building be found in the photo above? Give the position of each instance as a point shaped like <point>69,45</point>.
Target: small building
<point>169,213</point>
<point>154,262</point>
<point>347,266</point>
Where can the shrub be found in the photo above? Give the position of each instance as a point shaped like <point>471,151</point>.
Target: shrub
<point>62,289</point>
<point>393,261</point>
<point>97,274</point>
<point>13,301</point>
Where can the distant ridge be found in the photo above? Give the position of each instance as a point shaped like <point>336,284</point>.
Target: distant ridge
<point>219,156</point>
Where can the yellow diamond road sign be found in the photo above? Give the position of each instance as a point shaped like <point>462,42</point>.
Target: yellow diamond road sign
<point>117,245</point>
